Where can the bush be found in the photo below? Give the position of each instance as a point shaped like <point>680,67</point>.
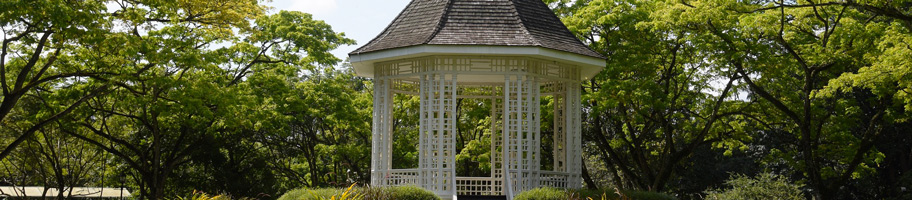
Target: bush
<point>311,194</point>
<point>763,186</point>
<point>411,193</point>
<point>375,193</point>
<point>543,194</point>
<point>611,194</point>
<point>553,193</point>
<point>643,195</point>
<point>203,196</point>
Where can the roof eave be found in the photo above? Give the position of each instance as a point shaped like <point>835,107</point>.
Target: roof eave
<point>363,63</point>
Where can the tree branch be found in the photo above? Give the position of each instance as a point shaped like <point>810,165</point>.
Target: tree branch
<point>31,131</point>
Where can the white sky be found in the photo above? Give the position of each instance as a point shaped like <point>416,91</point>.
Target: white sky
<point>360,20</point>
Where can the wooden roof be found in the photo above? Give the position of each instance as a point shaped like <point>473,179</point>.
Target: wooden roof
<point>477,22</point>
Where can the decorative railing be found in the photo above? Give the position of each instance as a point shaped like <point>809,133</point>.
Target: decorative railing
<point>478,186</point>
<point>403,177</point>
<point>481,186</point>
<point>554,179</point>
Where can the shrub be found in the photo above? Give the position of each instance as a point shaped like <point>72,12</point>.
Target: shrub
<point>763,186</point>
<point>311,194</point>
<point>411,193</point>
<point>203,196</point>
<point>543,194</point>
<point>612,194</point>
<point>643,195</point>
<point>373,193</point>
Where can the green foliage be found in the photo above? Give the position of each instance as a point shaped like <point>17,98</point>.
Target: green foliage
<point>311,194</point>
<point>543,194</point>
<point>562,194</point>
<point>203,196</point>
<point>627,195</point>
<point>403,193</point>
<point>826,77</point>
<point>644,195</point>
<point>762,186</point>
<point>371,193</point>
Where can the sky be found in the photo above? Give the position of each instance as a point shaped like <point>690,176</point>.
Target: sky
<point>360,20</point>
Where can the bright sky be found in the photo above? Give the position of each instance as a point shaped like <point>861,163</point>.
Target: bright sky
<point>360,20</point>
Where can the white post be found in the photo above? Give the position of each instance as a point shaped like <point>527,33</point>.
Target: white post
<point>497,145</point>
<point>381,139</point>
<point>559,142</point>
<point>438,133</point>
<point>574,134</point>
<point>521,133</point>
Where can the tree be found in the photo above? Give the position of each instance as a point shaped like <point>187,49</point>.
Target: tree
<point>51,158</point>
<point>39,40</point>
<point>650,109</point>
<point>785,52</point>
<point>184,91</point>
<point>325,138</point>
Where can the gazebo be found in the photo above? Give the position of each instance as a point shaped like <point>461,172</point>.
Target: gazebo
<point>512,52</point>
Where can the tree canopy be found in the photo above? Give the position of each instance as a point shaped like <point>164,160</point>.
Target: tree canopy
<point>230,97</point>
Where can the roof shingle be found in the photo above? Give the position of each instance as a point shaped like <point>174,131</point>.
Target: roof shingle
<point>477,22</point>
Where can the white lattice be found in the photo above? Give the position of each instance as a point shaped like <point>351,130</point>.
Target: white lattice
<point>574,134</point>
<point>559,142</point>
<point>403,177</point>
<point>515,92</point>
<point>497,145</point>
<point>554,179</point>
<point>521,133</point>
<point>437,130</point>
<point>476,186</point>
<point>381,149</point>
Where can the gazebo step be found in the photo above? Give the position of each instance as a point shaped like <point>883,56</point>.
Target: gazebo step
<point>476,197</point>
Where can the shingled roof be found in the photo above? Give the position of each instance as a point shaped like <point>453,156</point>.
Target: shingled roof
<point>477,22</point>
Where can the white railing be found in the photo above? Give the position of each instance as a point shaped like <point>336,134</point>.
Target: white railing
<point>554,179</point>
<point>402,177</point>
<point>483,186</point>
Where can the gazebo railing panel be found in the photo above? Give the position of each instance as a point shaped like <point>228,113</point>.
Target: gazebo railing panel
<point>398,177</point>
<point>478,65</point>
<point>486,186</point>
<point>554,179</point>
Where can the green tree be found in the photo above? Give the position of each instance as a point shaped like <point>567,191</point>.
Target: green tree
<point>40,39</point>
<point>651,108</point>
<point>325,141</point>
<point>183,90</point>
<point>785,52</point>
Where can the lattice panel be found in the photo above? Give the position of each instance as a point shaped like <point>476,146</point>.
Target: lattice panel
<point>381,140</point>
<point>559,141</point>
<point>521,133</point>
<point>497,166</point>
<point>476,186</point>
<point>403,177</point>
<point>554,179</point>
<point>574,134</point>
<point>515,122</point>
<point>479,65</point>
<point>437,156</point>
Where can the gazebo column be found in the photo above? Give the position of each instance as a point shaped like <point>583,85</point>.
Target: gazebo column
<point>572,129</point>
<point>521,134</point>
<point>559,140</point>
<point>497,167</point>
<point>437,151</point>
<point>381,141</point>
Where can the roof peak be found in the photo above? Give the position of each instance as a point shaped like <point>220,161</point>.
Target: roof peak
<point>477,22</point>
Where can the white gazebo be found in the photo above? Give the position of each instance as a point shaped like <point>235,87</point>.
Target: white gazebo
<point>512,52</point>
